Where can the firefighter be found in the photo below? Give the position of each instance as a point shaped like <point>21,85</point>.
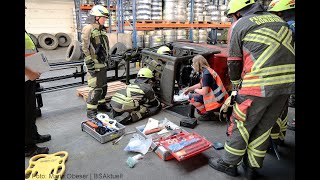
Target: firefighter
<point>164,50</point>
<point>261,64</point>
<point>137,101</point>
<point>286,10</point>
<point>31,132</point>
<point>209,95</point>
<point>95,46</point>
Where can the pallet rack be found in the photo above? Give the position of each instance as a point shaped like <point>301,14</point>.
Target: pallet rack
<point>153,24</point>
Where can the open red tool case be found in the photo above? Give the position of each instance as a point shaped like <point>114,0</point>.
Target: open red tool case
<point>183,146</point>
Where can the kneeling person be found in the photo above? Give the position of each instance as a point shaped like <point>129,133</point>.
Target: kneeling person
<point>210,94</point>
<point>137,101</point>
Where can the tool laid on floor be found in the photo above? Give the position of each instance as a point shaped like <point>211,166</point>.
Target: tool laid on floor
<point>47,166</point>
<point>188,122</point>
<point>116,141</point>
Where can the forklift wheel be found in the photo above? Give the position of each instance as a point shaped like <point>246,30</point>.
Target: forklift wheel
<point>38,112</point>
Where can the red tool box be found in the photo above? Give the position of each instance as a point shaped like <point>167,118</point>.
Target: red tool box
<point>183,146</point>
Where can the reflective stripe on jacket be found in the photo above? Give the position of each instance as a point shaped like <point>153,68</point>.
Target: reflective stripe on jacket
<point>214,95</point>
<point>264,44</point>
<point>127,99</point>
<point>92,37</point>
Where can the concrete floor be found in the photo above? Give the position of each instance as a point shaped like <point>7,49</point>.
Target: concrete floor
<point>63,112</point>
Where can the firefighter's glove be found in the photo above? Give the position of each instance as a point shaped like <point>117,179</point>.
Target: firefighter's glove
<point>233,97</point>
<point>90,65</point>
<point>224,109</point>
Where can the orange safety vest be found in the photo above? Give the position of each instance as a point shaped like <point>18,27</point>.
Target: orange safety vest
<point>214,95</point>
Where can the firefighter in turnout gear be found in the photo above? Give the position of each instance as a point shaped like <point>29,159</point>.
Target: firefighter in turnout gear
<point>261,63</point>
<point>95,46</point>
<point>286,10</point>
<point>209,95</point>
<point>137,101</point>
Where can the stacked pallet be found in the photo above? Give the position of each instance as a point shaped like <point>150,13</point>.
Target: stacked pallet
<point>113,87</point>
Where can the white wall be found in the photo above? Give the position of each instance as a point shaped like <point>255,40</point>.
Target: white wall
<point>50,16</point>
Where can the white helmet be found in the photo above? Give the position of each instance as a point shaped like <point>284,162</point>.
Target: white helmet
<point>99,10</point>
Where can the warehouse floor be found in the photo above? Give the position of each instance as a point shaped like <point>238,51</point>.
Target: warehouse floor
<point>63,112</point>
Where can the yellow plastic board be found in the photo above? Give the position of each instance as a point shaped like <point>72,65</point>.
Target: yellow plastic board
<point>47,166</point>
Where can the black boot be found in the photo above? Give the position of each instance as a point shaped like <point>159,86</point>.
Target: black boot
<point>124,118</point>
<point>104,107</point>
<point>208,116</point>
<point>250,173</point>
<point>42,138</point>
<point>220,165</point>
<point>33,150</point>
<point>92,113</point>
<point>191,111</point>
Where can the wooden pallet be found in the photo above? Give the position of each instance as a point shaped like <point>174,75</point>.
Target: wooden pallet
<point>113,87</point>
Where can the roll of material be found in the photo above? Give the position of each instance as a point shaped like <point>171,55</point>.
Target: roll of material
<point>222,7</point>
<point>156,4</point>
<point>144,12</point>
<point>170,1</point>
<point>155,32</point>
<point>203,32</point>
<point>146,44</point>
<point>143,17</point>
<point>144,1</point>
<point>156,17</point>
<point>169,5</point>
<point>158,32</point>
<point>215,13</point>
<point>156,44</point>
<point>198,10</point>
<point>146,38</point>
<point>210,8</point>
<point>169,32</point>
<point>156,39</point>
<point>182,37</point>
<point>207,18</point>
<point>215,18</point>
<point>169,39</point>
<point>156,8</point>
<point>222,13</point>
<point>181,32</point>
<point>198,18</point>
<point>140,44</point>
<point>181,11</point>
<point>140,33</point>
<point>169,17</point>
<point>156,14</point>
<point>195,32</point>
<point>143,6</point>
<point>224,19</point>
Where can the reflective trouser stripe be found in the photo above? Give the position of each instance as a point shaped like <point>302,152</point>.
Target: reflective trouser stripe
<point>91,106</point>
<point>243,131</point>
<point>283,127</point>
<point>234,151</point>
<point>238,112</point>
<point>276,135</point>
<point>102,101</point>
<point>252,152</point>
<point>99,65</point>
